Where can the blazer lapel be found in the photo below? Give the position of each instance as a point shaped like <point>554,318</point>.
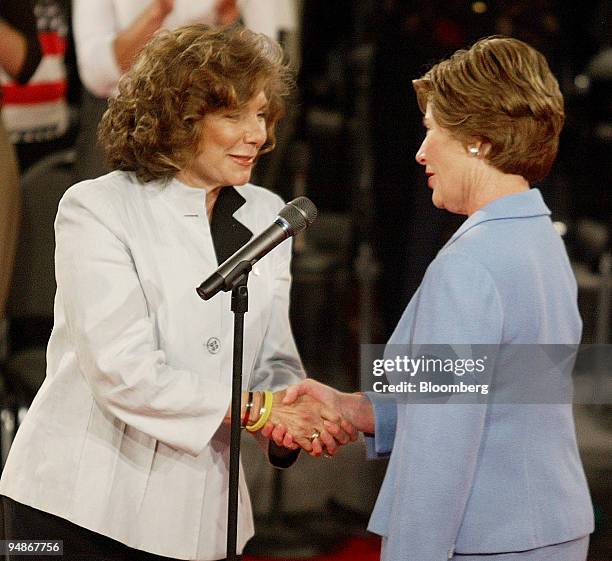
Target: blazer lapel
<point>228,234</point>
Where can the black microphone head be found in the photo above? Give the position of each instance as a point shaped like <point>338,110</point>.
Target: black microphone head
<point>299,214</point>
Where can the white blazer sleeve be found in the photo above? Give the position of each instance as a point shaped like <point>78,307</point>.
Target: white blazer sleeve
<point>115,338</point>
<point>94,25</point>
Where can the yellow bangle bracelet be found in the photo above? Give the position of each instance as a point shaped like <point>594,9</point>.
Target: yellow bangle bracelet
<point>264,413</point>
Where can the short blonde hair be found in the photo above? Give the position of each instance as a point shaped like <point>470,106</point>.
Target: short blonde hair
<point>500,91</point>
<point>153,126</point>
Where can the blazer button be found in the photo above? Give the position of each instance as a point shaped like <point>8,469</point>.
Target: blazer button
<point>213,345</point>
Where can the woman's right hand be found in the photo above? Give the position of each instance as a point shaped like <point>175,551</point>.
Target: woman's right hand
<point>308,423</point>
<point>355,409</point>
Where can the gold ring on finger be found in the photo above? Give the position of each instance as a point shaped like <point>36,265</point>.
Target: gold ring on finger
<point>316,434</point>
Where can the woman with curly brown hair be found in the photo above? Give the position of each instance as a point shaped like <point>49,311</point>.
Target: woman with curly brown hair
<point>124,452</point>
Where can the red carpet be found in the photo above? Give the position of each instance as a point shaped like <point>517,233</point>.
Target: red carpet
<point>354,549</point>
<point>368,549</point>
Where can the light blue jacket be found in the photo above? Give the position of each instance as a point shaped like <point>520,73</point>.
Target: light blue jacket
<point>485,478</point>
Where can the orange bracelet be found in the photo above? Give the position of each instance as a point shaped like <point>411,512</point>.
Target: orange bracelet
<point>247,411</point>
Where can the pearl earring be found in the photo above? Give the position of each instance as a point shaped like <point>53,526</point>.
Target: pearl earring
<point>474,150</point>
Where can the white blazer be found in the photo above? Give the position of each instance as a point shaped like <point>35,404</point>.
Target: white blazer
<point>124,437</point>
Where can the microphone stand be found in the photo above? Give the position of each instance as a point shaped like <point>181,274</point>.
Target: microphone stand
<point>239,306</point>
<point>233,275</point>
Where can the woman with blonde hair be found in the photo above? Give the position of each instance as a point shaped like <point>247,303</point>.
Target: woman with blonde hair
<point>500,480</point>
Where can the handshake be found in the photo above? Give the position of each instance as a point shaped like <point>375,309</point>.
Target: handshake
<point>309,415</point>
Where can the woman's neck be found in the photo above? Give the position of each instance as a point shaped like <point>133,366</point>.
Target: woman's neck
<point>211,199</point>
<point>212,192</point>
<point>495,186</point>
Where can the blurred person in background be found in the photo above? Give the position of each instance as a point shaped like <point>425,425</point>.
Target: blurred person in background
<point>9,224</point>
<point>498,481</point>
<point>124,452</point>
<point>20,50</point>
<point>37,114</point>
<point>20,54</point>
<point>110,33</point>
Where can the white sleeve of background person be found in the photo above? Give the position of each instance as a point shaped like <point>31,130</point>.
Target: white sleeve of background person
<point>269,16</point>
<point>95,27</point>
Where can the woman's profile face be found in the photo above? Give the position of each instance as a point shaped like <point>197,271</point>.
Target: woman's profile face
<point>447,165</point>
<point>229,143</point>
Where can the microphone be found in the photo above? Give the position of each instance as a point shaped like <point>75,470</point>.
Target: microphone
<point>294,217</point>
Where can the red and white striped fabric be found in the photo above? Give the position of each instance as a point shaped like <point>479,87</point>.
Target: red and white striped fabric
<point>38,111</point>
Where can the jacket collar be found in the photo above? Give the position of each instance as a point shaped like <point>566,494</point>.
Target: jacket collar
<point>526,204</point>
<point>231,225</point>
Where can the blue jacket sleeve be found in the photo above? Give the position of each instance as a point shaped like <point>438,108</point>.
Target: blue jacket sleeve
<point>380,444</point>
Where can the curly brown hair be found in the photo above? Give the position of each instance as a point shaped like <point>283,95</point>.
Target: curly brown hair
<point>500,91</point>
<point>153,126</point>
